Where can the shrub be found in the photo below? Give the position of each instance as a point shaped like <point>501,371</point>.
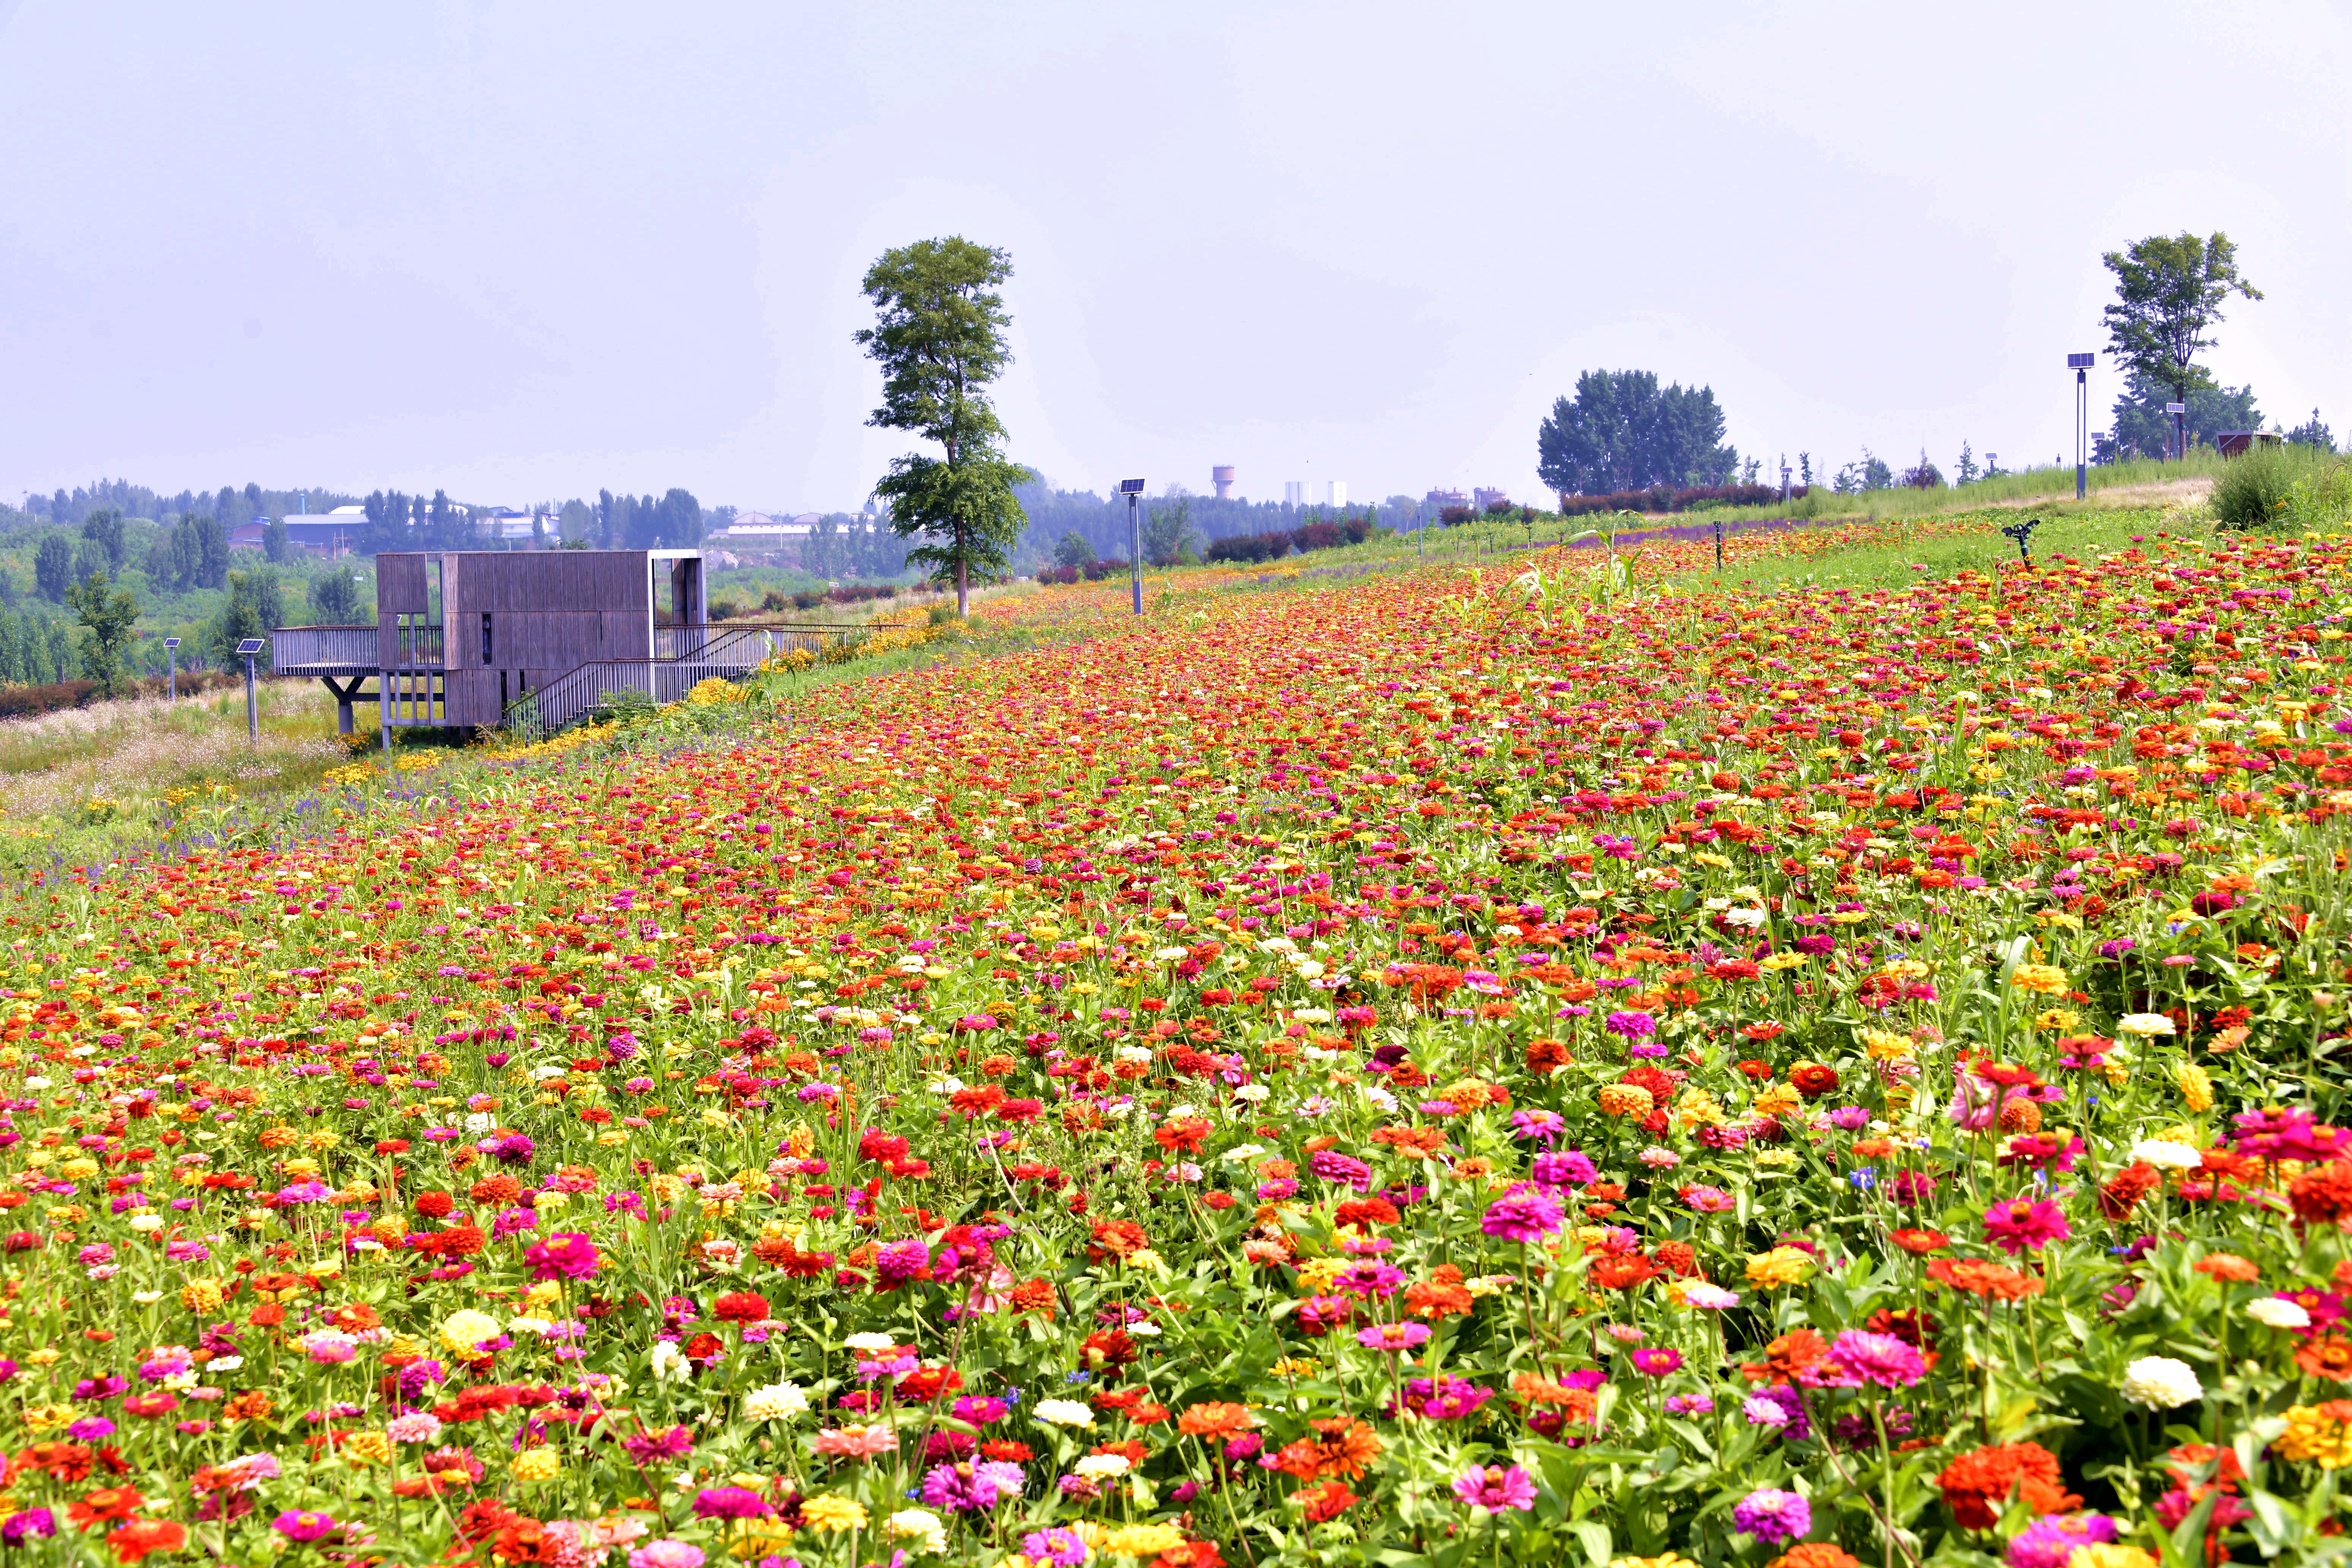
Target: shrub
<point>1665,499</point>
<point>21,702</point>
<point>807,599</point>
<point>1058,574</point>
<point>2256,488</point>
<point>1320,534</point>
<point>1455,515</point>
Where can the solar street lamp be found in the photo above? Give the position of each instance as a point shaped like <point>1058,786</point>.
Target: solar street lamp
<point>2180,437</point>
<point>2080,365</point>
<point>1133,490</point>
<point>172,665</point>
<point>245,650</point>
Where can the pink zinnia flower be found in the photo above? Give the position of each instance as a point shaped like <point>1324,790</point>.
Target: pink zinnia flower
<point>1523,1217</point>
<point>2017,1225</point>
<point>856,1442</point>
<point>1394,1337</point>
<point>1881,1359</point>
<point>1657,1361</point>
<point>1495,1488</point>
<point>566,1255</point>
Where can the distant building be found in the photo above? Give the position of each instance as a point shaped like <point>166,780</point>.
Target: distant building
<point>2233,443</point>
<point>1221,479</point>
<point>336,533</point>
<point>248,535</point>
<point>1293,492</point>
<point>1338,493</point>
<point>759,527</point>
<point>1482,498</point>
<point>1443,498</point>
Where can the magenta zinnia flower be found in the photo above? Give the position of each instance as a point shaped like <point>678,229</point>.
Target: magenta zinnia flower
<point>2017,1225</point>
<point>1495,1488</point>
<point>729,1502</point>
<point>1335,1167</point>
<point>970,1487</point>
<point>2052,1542</point>
<point>1522,1217</point>
<point>303,1527</point>
<point>566,1255</point>
<point>901,1261</point>
<point>1880,1359</point>
<point>1657,1360</point>
<point>1772,1516</point>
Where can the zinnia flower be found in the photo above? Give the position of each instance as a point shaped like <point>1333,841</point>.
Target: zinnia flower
<point>1523,1217</point>
<point>1772,1516</point>
<point>1495,1488</point>
<point>2162,1383</point>
<point>2017,1225</point>
<point>1879,1359</point>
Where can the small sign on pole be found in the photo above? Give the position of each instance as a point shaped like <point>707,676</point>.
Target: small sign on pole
<point>246,650</point>
<point>172,665</point>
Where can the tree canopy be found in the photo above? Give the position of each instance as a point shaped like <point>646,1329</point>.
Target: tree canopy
<point>2169,295</point>
<point>107,614</point>
<point>1623,432</point>
<point>938,336</point>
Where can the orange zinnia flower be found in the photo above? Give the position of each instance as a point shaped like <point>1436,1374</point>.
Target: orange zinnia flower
<point>1340,1446</point>
<point>1212,1419</point>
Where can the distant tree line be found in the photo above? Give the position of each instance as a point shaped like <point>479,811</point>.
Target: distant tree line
<point>1101,522</point>
<point>842,545</point>
<point>234,506</point>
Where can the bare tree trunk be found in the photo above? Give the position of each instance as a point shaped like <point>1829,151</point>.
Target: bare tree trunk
<point>963,588</point>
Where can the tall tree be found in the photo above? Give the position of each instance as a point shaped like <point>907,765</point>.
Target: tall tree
<point>2168,294</point>
<point>212,552</point>
<point>1624,431</point>
<point>1167,532</point>
<point>53,570</point>
<point>938,336</point>
<point>106,615</point>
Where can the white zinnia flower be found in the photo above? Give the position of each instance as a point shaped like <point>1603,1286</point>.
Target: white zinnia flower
<point>1064,1413</point>
<point>920,1526</point>
<point>2150,1024</point>
<point>1102,1467</point>
<point>2160,1382</point>
<point>776,1402</point>
<point>2272,1312</point>
<point>869,1342</point>
<point>668,1362</point>
<point>2167,1155</point>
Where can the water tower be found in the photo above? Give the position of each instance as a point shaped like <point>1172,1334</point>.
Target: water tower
<point>1222,479</point>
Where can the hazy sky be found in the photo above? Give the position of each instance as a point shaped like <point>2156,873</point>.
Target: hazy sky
<point>522,251</point>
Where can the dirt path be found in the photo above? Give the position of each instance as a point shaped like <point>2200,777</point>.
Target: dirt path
<point>2186,492</point>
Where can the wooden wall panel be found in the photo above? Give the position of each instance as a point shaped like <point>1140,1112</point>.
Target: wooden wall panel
<point>474,697</point>
<point>400,584</point>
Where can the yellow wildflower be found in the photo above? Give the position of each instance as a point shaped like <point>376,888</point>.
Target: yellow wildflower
<point>1780,1266</point>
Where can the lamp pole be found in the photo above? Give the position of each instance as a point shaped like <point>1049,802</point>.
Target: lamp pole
<point>2080,365</point>
<point>2180,437</point>
<point>1133,490</point>
<point>246,649</point>
<point>172,666</point>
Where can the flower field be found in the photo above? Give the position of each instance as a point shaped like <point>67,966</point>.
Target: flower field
<point>1438,1068</point>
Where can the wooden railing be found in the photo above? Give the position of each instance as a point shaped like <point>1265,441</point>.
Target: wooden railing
<point>725,651</point>
<point>294,649</point>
